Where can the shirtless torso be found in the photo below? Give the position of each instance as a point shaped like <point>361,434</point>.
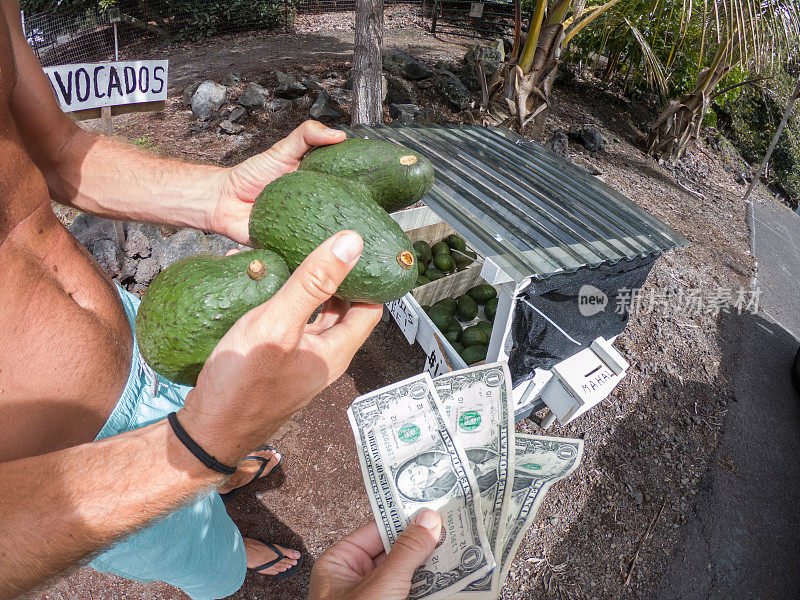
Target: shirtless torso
<point>65,343</point>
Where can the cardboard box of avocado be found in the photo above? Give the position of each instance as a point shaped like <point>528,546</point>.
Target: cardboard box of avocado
<point>563,252</point>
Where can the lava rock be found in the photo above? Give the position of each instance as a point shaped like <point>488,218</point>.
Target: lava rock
<point>230,128</point>
<point>208,98</point>
<point>108,256</point>
<point>283,77</point>
<point>322,109</point>
<point>147,270</point>
<point>333,75</point>
<point>185,243</point>
<point>452,91</point>
<point>341,96</point>
<point>253,96</point>
<point>188,92</point>
<point>559,143</point>
<point>490,56</point>
<point>237,114</point>
<point>88,229</point>
<point>312,83</point>
<point>278,104</point>
<point>219,244</point>
<point>404,113</point>
<point>136,244</point>
<point>290,88</point>
<point>399,92</point>
<point>589,137</point>
<point>405,65</point>
<point>128,270</point>
<point>232,79</point>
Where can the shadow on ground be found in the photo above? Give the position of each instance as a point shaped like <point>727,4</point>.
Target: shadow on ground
<point>739,537</point>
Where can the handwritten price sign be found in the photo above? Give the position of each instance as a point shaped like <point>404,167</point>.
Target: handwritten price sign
<point>405,317</point>
<point>437,363</point>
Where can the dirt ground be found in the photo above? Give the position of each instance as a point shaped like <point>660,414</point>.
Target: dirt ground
<point>606,531</point>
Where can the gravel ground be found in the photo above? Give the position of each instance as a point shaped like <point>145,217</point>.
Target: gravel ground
<point>606,531</point>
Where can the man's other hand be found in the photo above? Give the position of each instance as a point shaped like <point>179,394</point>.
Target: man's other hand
<point>357,568</point>
<point>272,362</point>
<point>240,185</point>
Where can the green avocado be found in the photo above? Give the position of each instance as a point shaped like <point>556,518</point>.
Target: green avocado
<point>424,252</point>
<point>421,268</point>
<point>474,354</point>
<point>444,262</point>
<point>486,326</point>
<point>452,336</point>
<point>482,293</point>
<point>456,242</point>
<point>192,303</point>
<point>421,280</point>
<point>475,335</point>
<point>440,316</point>
<point>298,211</point>
<point>457,347</point>
<point>395,176</point>
<point>490,309</point>
<point>447,303</point>
<point>433,273</point>
<point>463,259</point>
<point>440,248</point>
<point>454,327</point>
<point>467,308</point>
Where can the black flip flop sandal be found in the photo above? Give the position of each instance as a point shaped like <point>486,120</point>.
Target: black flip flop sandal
<point>283,574</point>
<point>228,496</point>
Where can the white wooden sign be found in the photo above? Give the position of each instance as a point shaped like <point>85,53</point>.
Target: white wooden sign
<point>94,85</point>
<point>406,317</point>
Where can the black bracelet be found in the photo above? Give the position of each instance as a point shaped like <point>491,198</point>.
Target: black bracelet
<point>193,447</point>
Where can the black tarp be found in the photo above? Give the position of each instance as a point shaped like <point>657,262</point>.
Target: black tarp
<point>552,319</point>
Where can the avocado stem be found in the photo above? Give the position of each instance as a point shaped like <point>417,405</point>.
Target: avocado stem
<point>255,270</point>
<point>406,259</point>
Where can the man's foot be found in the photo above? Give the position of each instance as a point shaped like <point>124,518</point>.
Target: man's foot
<point>259,554</point>
<point>247,469</point>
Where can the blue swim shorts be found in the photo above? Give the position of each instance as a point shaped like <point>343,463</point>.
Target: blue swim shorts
<point>198,548</point>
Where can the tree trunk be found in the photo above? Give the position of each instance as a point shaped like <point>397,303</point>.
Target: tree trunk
<point>367,64</point>
<point>680,121</point>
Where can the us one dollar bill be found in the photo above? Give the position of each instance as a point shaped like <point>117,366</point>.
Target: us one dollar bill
<point>410,459</point>
<point>478,407</point>
<point>539,462</point>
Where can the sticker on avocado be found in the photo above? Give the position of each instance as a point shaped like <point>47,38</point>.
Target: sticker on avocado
<point>469,420</point>
<point>409,433</point>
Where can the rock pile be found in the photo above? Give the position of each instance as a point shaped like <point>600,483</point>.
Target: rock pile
<point>145,252</point>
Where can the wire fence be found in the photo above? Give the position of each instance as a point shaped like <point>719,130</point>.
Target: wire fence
<point>90,33</point>
<point>78,31</point>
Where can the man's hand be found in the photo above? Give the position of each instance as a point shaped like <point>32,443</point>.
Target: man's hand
<point>272,362</point>
<point>240,185</point>
<point>357,568</point>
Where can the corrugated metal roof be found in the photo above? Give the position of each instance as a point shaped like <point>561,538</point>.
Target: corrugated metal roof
<point>533,212</point>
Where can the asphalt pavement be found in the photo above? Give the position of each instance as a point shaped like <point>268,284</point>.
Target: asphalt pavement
<point>741,540</point>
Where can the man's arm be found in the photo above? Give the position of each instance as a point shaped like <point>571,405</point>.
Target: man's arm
<point>113,179</point>
<point>57,508</point>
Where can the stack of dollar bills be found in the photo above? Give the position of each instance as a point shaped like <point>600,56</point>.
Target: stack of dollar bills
<point>449,444</point>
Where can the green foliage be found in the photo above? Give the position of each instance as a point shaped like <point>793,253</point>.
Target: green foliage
<point>750,123</point>
<point>183,19</point>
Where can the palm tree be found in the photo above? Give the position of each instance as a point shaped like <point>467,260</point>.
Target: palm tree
<point>753,36</point>
<point>519,93</point>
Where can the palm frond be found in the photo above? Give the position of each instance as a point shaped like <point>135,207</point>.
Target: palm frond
<point>655,71</point>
